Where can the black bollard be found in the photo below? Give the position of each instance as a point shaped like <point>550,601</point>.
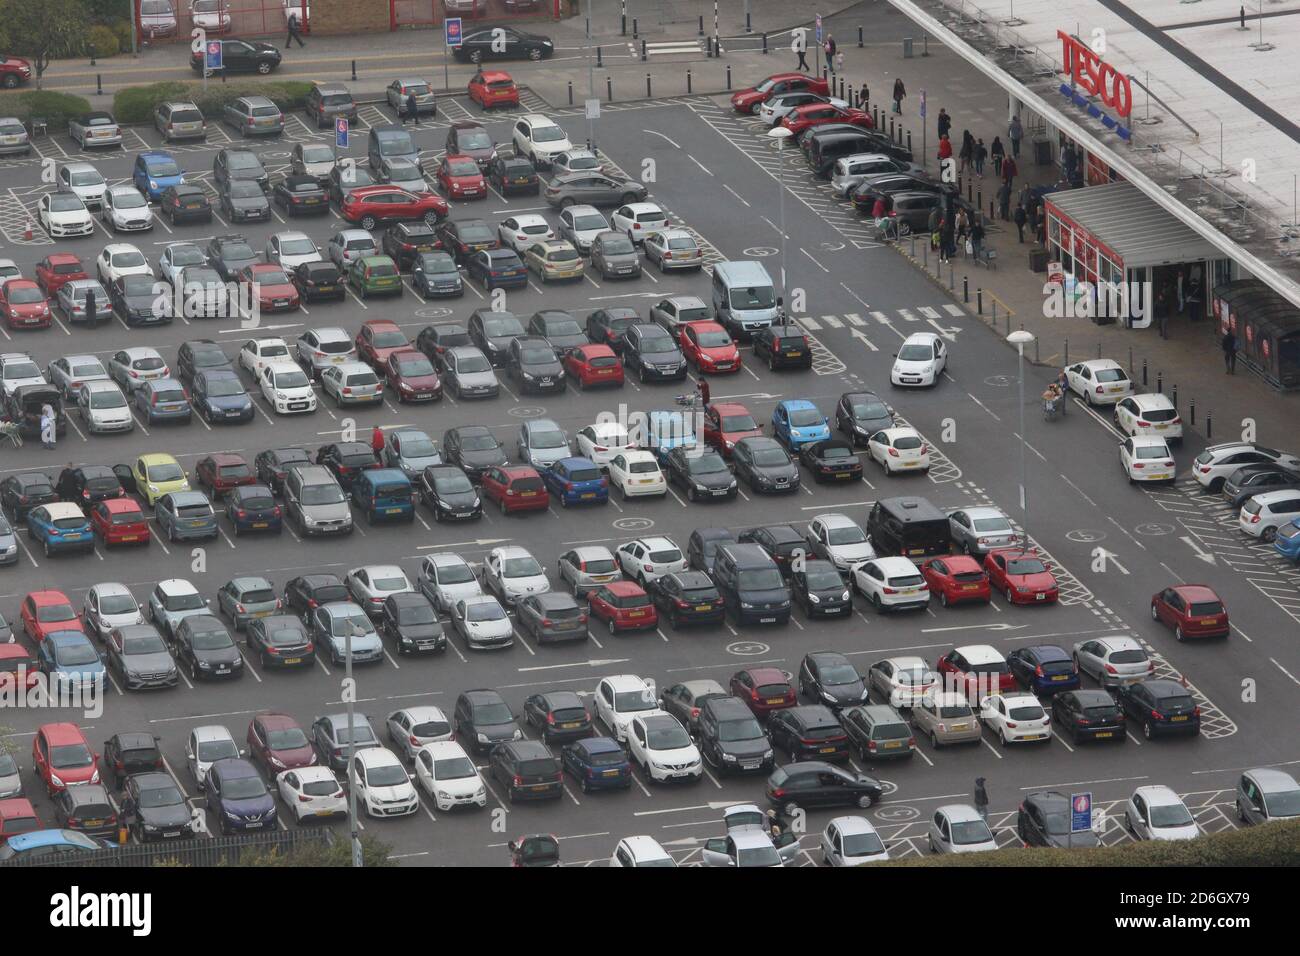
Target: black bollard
<point>765,43</point>
<point>1209,425</point>
<point>1174,397</point>
<point>891,127</point>
<point>965,289</point>
<point>635,32</point>
<point>99,84</point>
<point>909,140</point>
<point>1067,352</point>
<point>1144,373</point>
<point>979,301</point>
<point>609,88</point>
<point>875,117</point>
<point>701,24</point>
<point>643,51</point>
<point>354,69</point>
<point>859,36</point>
<point>979,195</point>
<point>570,92</point>
<point>623,29</point>
<point>1192,411</point>
<point>749,27</point>
<point>1160,382</point>
<point>647,86</point>
<point>728,76</point>
<point>599,59</point>
<point>688,79</point>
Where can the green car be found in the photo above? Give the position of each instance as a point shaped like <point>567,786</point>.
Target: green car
<point>376,275</point>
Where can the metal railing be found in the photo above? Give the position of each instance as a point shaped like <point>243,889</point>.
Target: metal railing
<point>219,851</point>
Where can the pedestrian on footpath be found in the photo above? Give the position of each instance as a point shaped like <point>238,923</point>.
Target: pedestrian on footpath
<point>49,427</point>
<point>863,96</point>
<point>702,387</point>
<point>998,152</point>
<point>1010,170</point>
<point>945,148</point>
<point>1020,218</point>
<point>967,153</point>
<point>947,240</point>
<point>292,23</point>
<point>936,220</point>
<point>1063,383</point>
<point>377,441</point>
<point>1230,352</point>
<point>900,92</point>
<point>981,799</point>
<point>800,46</point>
<point>963,228</point>
<point>830,48</point>
<point>1162,312</point>
<point>413,109</point>
<point>1015,132</point>
<point>1004,201</point>
<point>92,309</point>
<point>980,155</point>
<point>944,122</point>
<point>977,237</point>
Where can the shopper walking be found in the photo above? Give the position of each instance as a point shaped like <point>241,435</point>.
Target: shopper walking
<point>829,48</point>
<point>981,798</point>
<point>863,96</point>
<point>900,92</point>
<point>945,148</point>
<point>1010,170</point>
<point>49,426</point>
<point>1019,217</point>
<point>967,154</point>
<point>92,309</point>
<point>1004,201</point>
<point>800,46</point>
<point>943,122</point>
<point>997,151</point>
<point>377,441</point>
<point>292,23</point>
<point>1015,132</point>
<point>980,155</point>
<point>1229,345</point>
<point>413,109</point>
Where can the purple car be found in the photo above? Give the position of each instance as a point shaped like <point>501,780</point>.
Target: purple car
<point>238,797</point>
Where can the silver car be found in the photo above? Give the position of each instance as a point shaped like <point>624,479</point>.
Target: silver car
<point>542,443</point>
<point>674,249</point>
<point>586,568</point>
<point>179,120</point>
<point>411,450</point>
<point>254,116</point>
<point>748,848</point>
<point>446,578</point>
<point>103,408</point>
<point>411,728</point>
<point>13,137</point>
<point>581,225</point>
<point>945,718</point>
<point>959,828</point>
<point>110,605</point>
<point>176,257</point>
<point>8,544</point>
<point>205,746</point>
<point>677,310</point>
<point>244,598</point>
<point>977,531</point>
<point>70,372</point>
<point>348,245</point>
<point>468,373</point>
<point>352,383</point>
<point>95,129</point>
<point>172,601</point>
<point>11,781</point>
<point>403,172</point>
<point>1113,661</point>
<point>319,349</point>
<point>398,91</point>
<point>850,171</point>
<point>1263,795</point>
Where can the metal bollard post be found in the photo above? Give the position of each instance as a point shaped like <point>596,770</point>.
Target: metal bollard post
<point>909,140</point>
<point>749,27</point>
<point>1209,425</point>
<point>600,61</point>
<point>925,255</point>
<point>1067,351</point>
<point>1130,360</point>
<point>1144,373</point>
<point>951,276</point>
<point>995,314</point>
<point>1192,412</point>
<point>1174,397</point>
<point>1160,382</point>
<point>841,87</point>
<point>970,191</point>
<point>648,94</point>
<point>859,36</point>
<point>635,32</point>
<point>875,117</point>
<point>979,198</point>
<point>688,79</point>
<point>1036,341</point>
<point>609,88</point>
<point>979,301</point>
<point>354,69</point>
<point>622,31</point>
<point>643,51</point>
<point>764,43</point>
<point>992,212</point>
<point>728,76</point>
<point>701,24</point>
<point>570,92</point>
<point>99,84</point>
<point>891,127</point>
<point>717,45</point>
<point>965,289</point>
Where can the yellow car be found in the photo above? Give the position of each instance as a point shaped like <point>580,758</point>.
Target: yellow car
<point>554,259</point>
<point>154,475</point>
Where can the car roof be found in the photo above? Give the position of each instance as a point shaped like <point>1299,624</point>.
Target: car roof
<point>645,848</point>
<point>626,682</point>
<point>895,564</point>
<point>852,826</point>
<point>1099,363</point>
<point>767,675</point>
<point>918,338</point>
<point>1203,592</point>
<point>63,733</point>
<point>175,586</point>
<point>209,732</point>
<point>1148,441</point>
<point>959,813</point>
<point>58,510</point>
<point>1153,400</point>
<point>981,654</point>
<point>373,756</point>
<point>1271,780</point>
<point>624,588</point>
<point>1158,795</point>
<point>834,519</point>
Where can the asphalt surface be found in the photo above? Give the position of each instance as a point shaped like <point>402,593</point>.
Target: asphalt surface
<point>715,173</point>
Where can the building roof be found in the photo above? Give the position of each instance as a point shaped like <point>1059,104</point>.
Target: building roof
<point>1132,225</point>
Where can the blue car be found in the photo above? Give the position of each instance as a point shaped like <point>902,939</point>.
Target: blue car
<point>185,515</point>
<point>666,430</point>
<point>219,396</point>
<point>576,481</point>
<point>154,171</point>
<point>1044,668</point>
<point>162,400</point>
<point>597,763</point>
<point>60,526</point>
<point>238,797</point>
<point>384,494</point>
<point>69,660</point>
<point>1287,542</point>
<point>37,843</point>
<point>797,422</point>
<point>253,508</point>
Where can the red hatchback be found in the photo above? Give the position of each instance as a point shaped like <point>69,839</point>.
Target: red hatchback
<point>1192,610</point>
<point>278,742</point>
<point>275,293</point>
<point>372,205</point>
<point>55,271</point>
<point>378,339</point>
<point>222,471</point>
<point>61,757</point>
<point>748,101</point>
<point>764,689</point>
<point>726,423</point>
<point>708,347</point>
<point>412,376</point>
<point>17,816</point>
<point>976,671</point>
<point>120,521</point>
<point>623,606</point>
<point>13,659</point>
<point>23,305</point>
<point>46,612</point>
<point>493,88</point>
<point>459,178</point>
<point>957,579</point>
<point>1021,575</point>
<point>815,114</point>
<point>593,365</point>
<point>515,488</point>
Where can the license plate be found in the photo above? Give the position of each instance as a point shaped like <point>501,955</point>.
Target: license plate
<point>312,201</point>
<point>527,494</point>
<point>917,551</point>
<point>718,492</point>
<point>1032,736</point>
<point>93,823</point>
<point>392,511</point>
<point>704,607</point>
<point>1114,389</point>
<point>636,614</point>
<point>223,670</point>
<point>197,524</point>
<point>293,660</point>
<point>891,745</point>
<point>463,514</point>
<point>541,786</point>
<point>767,620</point>
<point>610,773</point>
<point>1210,621</point>
<point>773,701</point>
<point>172,833</point>
<point>909,592</point>
<point>1161,427</point>
<point>573,725</point>
<point>1179,717</point>
<point>970,587</point>
<point>261,614</point>
<point>261,524</point>
<point>749,765</point>
<point>129,537</point>
<point>281,302</point>
<point>1039,597</point>
<point>337,360</point>
<point>324,813</point>
<point>793,354</point>
<point>1060,677</point>
<point>588,494</point>
<point>254,826</point>
<point>523,181</point>
<point>327,288</point>
<point>910,464</point>
<point>828,750</point>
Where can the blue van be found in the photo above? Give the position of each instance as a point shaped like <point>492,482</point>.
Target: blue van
<point>384,494</point>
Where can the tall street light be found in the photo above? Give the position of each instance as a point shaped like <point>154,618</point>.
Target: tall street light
<point>781,134</point>
<point>1020,338</point>
<point>354,630</point>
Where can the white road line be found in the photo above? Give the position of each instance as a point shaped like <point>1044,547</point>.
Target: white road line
<point>983,406</point>
<point>928,312</point>
<point>734,193</point>
<point>809,323</point>
<point>952,309</point>
<point>854,318</point>
<point>833,321</point>
<point>697,163</point>
<point>881,318</point>
<point>814,260</point>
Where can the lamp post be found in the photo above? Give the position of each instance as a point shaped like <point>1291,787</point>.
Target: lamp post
<point>354,630</point>
<point>1020,338</point>
<point>591,81</point>
<point>781,134</point>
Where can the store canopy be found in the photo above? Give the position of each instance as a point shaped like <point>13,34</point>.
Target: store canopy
<point>1124,219</point>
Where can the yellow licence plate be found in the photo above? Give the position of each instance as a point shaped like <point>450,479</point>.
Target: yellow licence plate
<point>793,354</point>
<point>1210,621</point>
<point>828,750</point>
<point>1179,717</point>
<point>528,494</point>
<point>93,823</point>
<point>1105,733</point>
<point>610,773</point>
<point>970,587</point>
<point>1060,677</point>
<point>293,660</point>
<point>775,700</point>
<point>571,725</point>
<point>704,607</point>
<point>892,745</point>
<point>636,614</point>
<point>130,537</point>
<point>588,494</point>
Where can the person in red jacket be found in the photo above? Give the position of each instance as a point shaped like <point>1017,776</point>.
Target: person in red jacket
<point>945,148</point>
<point>377,441</point>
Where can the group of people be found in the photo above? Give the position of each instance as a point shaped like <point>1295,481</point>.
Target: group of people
<point>834,58</point>
<point>951,227</point>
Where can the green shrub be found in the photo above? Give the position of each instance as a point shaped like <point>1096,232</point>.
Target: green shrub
<point>136,104</point>
<point>123,30</point>
<point>57,108</point>
<point>102,41</point>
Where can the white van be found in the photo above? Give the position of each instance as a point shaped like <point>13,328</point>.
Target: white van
<point>744,298</point>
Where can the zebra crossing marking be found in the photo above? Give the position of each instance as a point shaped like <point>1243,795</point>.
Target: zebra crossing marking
<point>854,318</point>
<point>907,315</point>
<point>928,312</point>
<point>833,321</point>
<point>881,318</point>
<point>809,323</point>
<point>953,309</point>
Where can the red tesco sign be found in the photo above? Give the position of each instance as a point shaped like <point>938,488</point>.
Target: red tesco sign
<point>1096,75</point>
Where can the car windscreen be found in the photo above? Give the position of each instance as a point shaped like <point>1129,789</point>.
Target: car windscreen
<point>520,567</point>
<point>616,245</point>
<point>144,644</point>
<point>760,579</point>
<point>360,730</point>
<point>753,298</point>
<point>224,387</point>
<point>129,199</point>
<point>346,623</point>
<point>708,463</point>
<point>422,613</point>
<point>244,189</point>
<point>361,378</point>
<point>1205,609</point>
<point>1025,566</point>
<point>863,844</point>
<point>86,177</point>
<point>387,775</point>
<point>164,796</point>
<point>1170,815</point>
<point>733,731</point>
<point>1110,375</point>
<point>454,768</point>
<point>589,222</point>
<point>244,788</point>
<point>850,534</point>
<point>953,711</point>
<point>967,833</point>
<point>770,458</point>
<point>634,700</point>
<point>486,611</point>
<point>663,735</point>
<point>67,202</point>
<point>455,574</point>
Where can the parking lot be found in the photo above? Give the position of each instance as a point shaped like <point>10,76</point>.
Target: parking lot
<point>1113,545</point>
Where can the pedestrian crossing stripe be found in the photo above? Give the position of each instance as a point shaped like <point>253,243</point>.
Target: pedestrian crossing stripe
<point>854,318</point>
<point>833,321</point>
<point>908,316</point>
<point>880,317</point>
<point>953,309</point>
<point>928,312</point>
<point>809,323</point>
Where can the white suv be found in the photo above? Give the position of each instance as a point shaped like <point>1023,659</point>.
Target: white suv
<point>622,697</point>
<point>540,139</point>
<point>663,749</point>
<point>891,584</point>
<point>1214,465</point>
<point>1262,515</point>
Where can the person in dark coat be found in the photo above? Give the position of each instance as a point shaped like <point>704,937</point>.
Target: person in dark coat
<point>864,95</point>
<point>977,236</point>
<point>900,92</point>
<point>1020,218</point>
<point>1004,201</point>
<point>1015,133</point>
<point>413,108</point>
<point>997,151</point>
<point>92,309</point>
<point>830,49</point>
<point>292,23</point>
<point>702,387</point>
<point>967,153</point>
<point>981,798</point>
<point>981,154</point>
<point>1229,345</point>
<point>1010,170</point>
<point>944,122</point>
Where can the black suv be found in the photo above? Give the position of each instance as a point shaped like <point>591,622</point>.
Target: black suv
<point>21,493</point>
<point>731,738</point>
<point>88,484</point>
<point>155,808</point>
<point>237,164</point>
<point>345,458</point>
<point>808,732</point>
<point>128,753</point>
<point>533,364</point>
<point>272,466</point>
<point>687,597</point>
<point>782,346</point>
<point>526,770</point>
<point>782,542</point>
<point>493,332</point>
<point>703,474</point>
<point>1161,706</point>
<point>403,241</point>
<point>651,352</point>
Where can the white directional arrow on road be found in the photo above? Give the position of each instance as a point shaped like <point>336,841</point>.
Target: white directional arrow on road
<point>948,332</point>
<point>596,663</point>
<point>864,340</point>
<point>975,627</point>
<point>1108,557</point>
<point>1200,552</point>
<point>480,542</point>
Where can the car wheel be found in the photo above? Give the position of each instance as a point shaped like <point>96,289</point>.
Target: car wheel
<point>1268,535</point>
<point>934,740</point>
<point>876,603</point>
<point>535,54</point>
<point>1146,729</point>
<point>1010,598</point>
<point>865,801</point>
<point>1002,737</point>
<point>368,222</point>
<point>1178,633</point>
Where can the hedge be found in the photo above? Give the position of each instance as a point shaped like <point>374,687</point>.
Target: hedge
<point>57,108</point>
<point>1274,844</point>
<point>103,42</point>
<point>136,104</point>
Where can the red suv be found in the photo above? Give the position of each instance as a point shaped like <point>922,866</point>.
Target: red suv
<point>278,742</point>
<point>120,521</point>
<point>515,488</point>
<point>748,101</point>
<point>55,271</point>
<point>378,339</point>
<point>1192,610</point>
<point>373,205</point>
<point>493,88</point>
<point>764,689</point>
<point>223,471</point>
<point>47,612</point>
<point>61,757</point>
<point>623,606</point>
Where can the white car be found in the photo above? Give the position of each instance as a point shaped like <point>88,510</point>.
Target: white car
<point>383,786</point>
<point>602,441</point>
<point>121,259</point>
<point>640,851</point>
<point>645,559</point>
<point>85,181</point>
<point>663,749</point>
<point>9,270</point>
<point>291,249</point>
<point>899,449</point>
<point>581,225</point>
<point>622,697</point>
<point>1015,718</point>
<point>958,828</point>
<point>1157,813</point>
<point>890,583</point>
<point>16,370</point>
<point>920,360</point>
<point>637,220</point>
<point>851,841</point>
<point>371,584</point>
<point>448,775</point>
<point>64,214</point>
<point>840,540</point>
<point>125,210</point>
<point>411,728</point>
<point>512,573</point>
<point>132,367</point>
<point>320,348</point>
<point>979,530</point>
<point>520,232</point>
<point>1113,660</point>
<point>205,746</point>
<point>1217,463</point>
<point>103,408</point>
<point>903,681</point>
<point>446,578</point>
<point>257,354</point>
<point>482,622</point>
<point>1262,515</point>
<point>636,473</point>
<point>1099,381</point>
<point>777,108</point>
<point>540,139</point>
<point>109,605</point>
<point>1147,459</point>
<point>176,257</point>
<point>287,388</point>
<point>1149,415</point>
<point>312,793</point>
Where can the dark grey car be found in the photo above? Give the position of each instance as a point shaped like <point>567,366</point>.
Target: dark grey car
<point>553,616</point>
<point>243,201</point>
<point>615,255</point>
<point>140,658</point>
<point>764,465</point>
<point>593,189</point>
<point>331,737</point>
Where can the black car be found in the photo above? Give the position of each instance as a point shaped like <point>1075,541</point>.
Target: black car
<point>878,732</point>
<point>185,203</point>
<point>497,269</point>
<point>205,648</point>
<point>652,353</point>
<point>307,592</point>
<point>533,364</point>
<point>447,491</point>
<point>334,735</point>
<point>197,355</point>
<point>155,809</point>
<point>483,719</point>
<point>1161,707</point>
<point>731,739</point>
<point>463,237</point>
<point>242,200</point>
<point>272,466</point>
<point>125,754</point>
<point>819,588</point>
<point>1044,820</point>
<point>88,484</point>
<point>239,164</point>
<point>513,175</point>
<point>21,493</point>
<point>474,448</point>
<point>434,275</point>
<point>230,255</point>
<point>606,326</point>
<point>1089,715</point>
<point>281,640</point>
<point>253,508</point>
<point>782,543</point>
<point>502,43</point>
<point>466,137</point>
<point>808,732</point>
<point>434,340</point>
<point>319,281</point>
<point>87,809</point>
<point>140,300</point>
<point>204,294</point>
<point>828,678</point>
<point>550,617</point>
<point>412,622</point>
<point>559,328</point>
<point>686,597</point>
<point>560,715</point>
<point>832,459</point>
<point>345,177</point>
<point>221,383</point>
<point>1244,483</point>
<point>403,241</point>
<point>238,56</point>
<point>345,458</point>
<point>817,784</point>
<point>703,474</point>
<point>703,546</point>
<point>782,346</point>
<point>301,195</point>
<point>859,415</point>
<point>493,332</point>
<point>526,770</point>
<point>764,465</point>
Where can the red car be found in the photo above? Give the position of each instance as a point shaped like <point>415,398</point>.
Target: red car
<point>623,606</point>
<point>277,742</point>
<point>708,347</point>
<point>1021,576</point>
<point>14,657</point>
<point>372,205</point>
<point>593,365</point>
<point>120,521</point>
<point>515,488</point>
<point>815,114</point>
<point>275,293</point>
<point>976,671</point>
<point>458,178</point>
<point>378,339</point>
<point>749,100</point>
<point>764,689</point>
<point>412,376</point>
<point>55,271</point>
<point>23,305</point>
<point>957,579</point>
<point>493,88</point>
<point>14,71</point>
<point>221,471</point>
<point>726,423</point>
<point>45,612</point>
<point>17,816</point>
<point>1192,610</point>
<point>61,756</point>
